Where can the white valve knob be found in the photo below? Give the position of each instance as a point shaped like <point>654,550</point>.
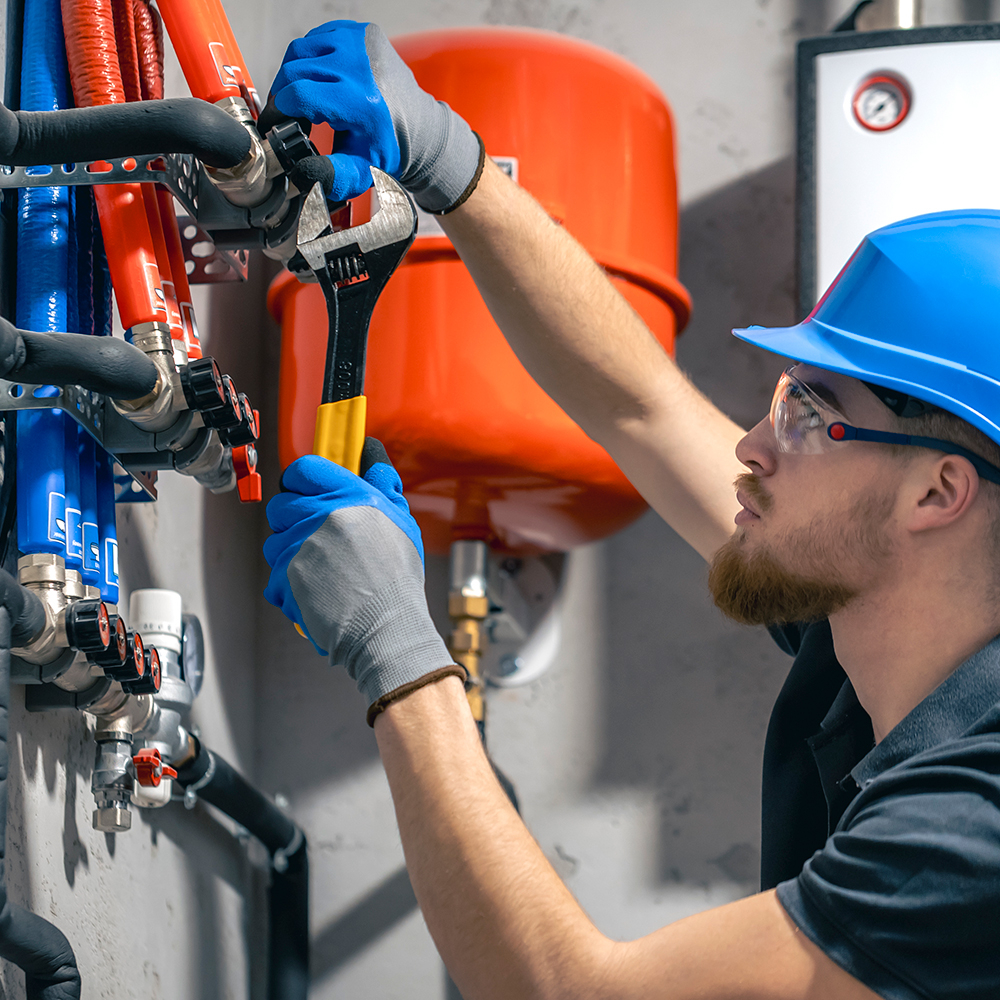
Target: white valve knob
<point>156,616</point>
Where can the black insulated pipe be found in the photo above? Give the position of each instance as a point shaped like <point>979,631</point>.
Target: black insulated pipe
<point>288,898</point>
<point>101,364</point>
<point>26,939</point>
<point>74,135</point>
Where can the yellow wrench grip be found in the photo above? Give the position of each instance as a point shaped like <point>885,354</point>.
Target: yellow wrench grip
<point>340,431</point>
<point>340,436</point>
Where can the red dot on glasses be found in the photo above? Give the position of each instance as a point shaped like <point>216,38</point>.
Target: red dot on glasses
<point>837,432</point>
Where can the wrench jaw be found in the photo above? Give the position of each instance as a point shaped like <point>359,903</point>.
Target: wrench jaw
<point>352,267</point>
<point>393,222</point>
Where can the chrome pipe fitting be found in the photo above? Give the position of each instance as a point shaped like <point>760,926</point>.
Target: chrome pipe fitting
<point>246,184</point>
<point>158,409</point>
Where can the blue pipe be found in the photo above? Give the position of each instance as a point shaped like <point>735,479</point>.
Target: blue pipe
<point>90,536</point>
<point>94,303</point>
<point>106,529</point>
<point>42,275</point>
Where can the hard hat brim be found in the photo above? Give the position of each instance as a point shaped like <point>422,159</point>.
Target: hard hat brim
<point>912,372</point>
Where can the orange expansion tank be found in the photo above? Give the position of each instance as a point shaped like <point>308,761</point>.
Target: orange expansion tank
<point>483,453</point>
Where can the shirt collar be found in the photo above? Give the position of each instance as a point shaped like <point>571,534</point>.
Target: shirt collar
<point>947,712</point>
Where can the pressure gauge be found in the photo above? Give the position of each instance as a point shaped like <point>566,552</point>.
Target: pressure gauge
<point>881,102</point>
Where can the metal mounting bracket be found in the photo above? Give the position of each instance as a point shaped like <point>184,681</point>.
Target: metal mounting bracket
<point>96,414</point>
<point>184,176</point>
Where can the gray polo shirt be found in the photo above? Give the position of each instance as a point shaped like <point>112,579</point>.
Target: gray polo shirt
<point>905,893</point>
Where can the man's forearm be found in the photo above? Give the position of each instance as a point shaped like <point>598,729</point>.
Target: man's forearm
<point>592,353</point>
<point>506,926</point>
<point>579,339</point>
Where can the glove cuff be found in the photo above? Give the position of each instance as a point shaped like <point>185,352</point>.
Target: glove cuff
<point>448,171</point>
<point>393,642</point>
<point>379,706</point>
<point>473,184</point>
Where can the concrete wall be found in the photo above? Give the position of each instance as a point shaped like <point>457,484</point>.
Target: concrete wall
<point>636,757</point>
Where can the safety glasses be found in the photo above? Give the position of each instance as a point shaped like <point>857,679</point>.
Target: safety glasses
<point>806,425</point>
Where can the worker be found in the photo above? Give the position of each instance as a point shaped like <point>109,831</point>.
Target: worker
<point>864,530</point>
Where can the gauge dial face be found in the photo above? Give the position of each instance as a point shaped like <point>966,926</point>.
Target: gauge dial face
<point>881,102</point>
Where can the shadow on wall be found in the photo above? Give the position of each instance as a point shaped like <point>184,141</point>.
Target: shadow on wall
<point>237,333</point>
<point>686,707</point>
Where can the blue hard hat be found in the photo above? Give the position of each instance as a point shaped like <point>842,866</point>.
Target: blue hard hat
<point>915,309</point>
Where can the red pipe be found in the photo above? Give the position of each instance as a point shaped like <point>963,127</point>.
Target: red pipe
<point>149,43</point>
<point>96,79</point>
<point>128,57</point>
<point>178,272</point>
<point>206,48</point>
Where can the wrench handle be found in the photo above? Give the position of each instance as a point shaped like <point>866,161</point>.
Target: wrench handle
<point>340,432</point>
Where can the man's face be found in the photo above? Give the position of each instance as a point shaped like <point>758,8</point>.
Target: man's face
<point>816,530</point>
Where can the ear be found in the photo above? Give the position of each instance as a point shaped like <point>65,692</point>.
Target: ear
<point>947,489</point>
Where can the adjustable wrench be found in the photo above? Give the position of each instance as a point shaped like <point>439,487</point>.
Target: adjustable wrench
<point>352,267</point>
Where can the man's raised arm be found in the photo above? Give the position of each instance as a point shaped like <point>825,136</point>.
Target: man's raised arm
<point>579,339</point>
<point>589,350</point>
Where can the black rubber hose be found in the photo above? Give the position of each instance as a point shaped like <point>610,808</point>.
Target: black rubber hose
<point>74,135</point>
<point>288,899</point>
<point>26,939</point>
<point>100,364</point>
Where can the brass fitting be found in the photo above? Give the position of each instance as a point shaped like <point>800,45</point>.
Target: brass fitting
<point>468,606</point>
<point>45,575</point>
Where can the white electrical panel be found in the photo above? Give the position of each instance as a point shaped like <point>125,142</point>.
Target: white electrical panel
<point>892,124</point>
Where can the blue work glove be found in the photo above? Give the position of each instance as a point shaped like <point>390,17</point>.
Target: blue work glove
<point>348,75</point>
<point>347,567</point>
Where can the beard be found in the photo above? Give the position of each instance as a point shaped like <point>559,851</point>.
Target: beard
<point>756,587</point>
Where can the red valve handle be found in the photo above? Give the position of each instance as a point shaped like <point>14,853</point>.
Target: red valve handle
<point>150,769</point>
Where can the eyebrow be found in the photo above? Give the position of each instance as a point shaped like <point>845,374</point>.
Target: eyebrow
<point>826,394</point>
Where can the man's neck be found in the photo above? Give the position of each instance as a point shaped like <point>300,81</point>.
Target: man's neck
<point>897,647</point>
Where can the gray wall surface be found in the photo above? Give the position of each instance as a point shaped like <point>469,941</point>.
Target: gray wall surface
<point>636,757</point>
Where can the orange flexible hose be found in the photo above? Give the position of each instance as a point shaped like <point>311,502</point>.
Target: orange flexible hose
<point>132,79</point>
<point>178,272</point>
<point>92,53</point>
<point>96,79</point>
<point>163,262</point>
<point>148,64</point>
<point>149,45</point>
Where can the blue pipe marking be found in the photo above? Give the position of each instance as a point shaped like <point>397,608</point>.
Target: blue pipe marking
<point>106,528</point>
<point>89,535</point>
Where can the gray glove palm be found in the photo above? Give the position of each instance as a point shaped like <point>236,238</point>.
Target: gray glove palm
<point>347,567</point>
